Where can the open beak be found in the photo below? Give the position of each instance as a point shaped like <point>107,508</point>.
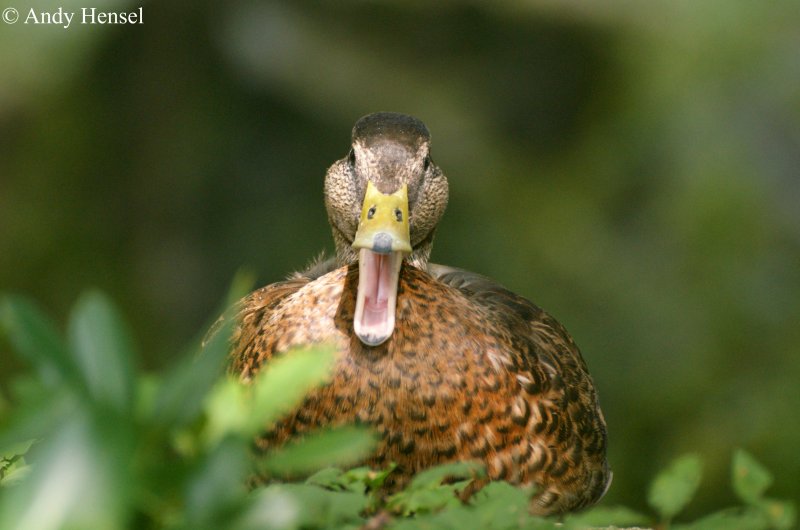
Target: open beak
<point>383,239</point>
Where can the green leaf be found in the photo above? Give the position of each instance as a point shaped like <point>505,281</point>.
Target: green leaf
<point>674,487</point>
<point>13,466</point>
<point>747,518</point>
<point>17,449</point>
<point>285,381</point>
<point>361,480</point>
<point>35,339</point>
<point>499,505</point>
<point>102,348</point>
<point>228,409</point>
<point>12,470</point>
<point>37,416</point>
<point>217,485</point>
<point>341,446</point>
<point>604,516</point>
<point>77,463</point>
<point>421,501</point>
<point>782,515</point>
<point>235,407</point>
<point>371,478</point>
<point>433,477</point>
<point>180,397</point>
<point>181,394</point>
<point>291,506</point>
<point>426,493</point>
<point>147,388</point>
<point>329,477</point>
<point>242,283</point>
<point>750,479</point>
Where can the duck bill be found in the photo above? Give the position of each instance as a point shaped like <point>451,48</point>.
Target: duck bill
<point>383,240</point>
<point>376,300</point>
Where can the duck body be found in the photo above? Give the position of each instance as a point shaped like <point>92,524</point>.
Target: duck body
<point>471,373</point>
<point>467,371</point>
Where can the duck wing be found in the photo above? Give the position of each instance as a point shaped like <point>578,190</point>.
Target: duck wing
<point>553,375</point>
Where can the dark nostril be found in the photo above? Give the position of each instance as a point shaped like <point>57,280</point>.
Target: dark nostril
<point>398,214</point>
<point>371,213</point>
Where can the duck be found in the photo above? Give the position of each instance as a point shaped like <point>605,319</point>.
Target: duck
<point>444,364</point>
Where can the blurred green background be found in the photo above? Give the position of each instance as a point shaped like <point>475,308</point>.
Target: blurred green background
<point>632,167</point>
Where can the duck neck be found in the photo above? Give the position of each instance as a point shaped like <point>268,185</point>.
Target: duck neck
<point>419,257</point>
<point>345,254</point>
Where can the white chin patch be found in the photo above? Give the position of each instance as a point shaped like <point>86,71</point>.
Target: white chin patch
<point>376,299</point>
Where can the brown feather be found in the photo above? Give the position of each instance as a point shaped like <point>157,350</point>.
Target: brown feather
<point>472,372</point>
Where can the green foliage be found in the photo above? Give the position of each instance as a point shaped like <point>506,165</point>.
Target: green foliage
<point>102,351</point>
<point>750,479</point>
<point>35,339</point>
<point>426,492</point>
<point>672,490</point>
<point>13,466</point>
<point>91,443</point>
<point>230,406</point>
<point>356,479</point>
<point>345,445</point>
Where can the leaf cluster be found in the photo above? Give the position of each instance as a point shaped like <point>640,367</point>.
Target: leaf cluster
<point>87,441</point>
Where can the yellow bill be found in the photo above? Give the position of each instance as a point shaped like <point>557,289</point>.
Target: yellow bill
<point>383,239</point>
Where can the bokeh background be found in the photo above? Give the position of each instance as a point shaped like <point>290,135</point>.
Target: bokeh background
<point>633,167</point>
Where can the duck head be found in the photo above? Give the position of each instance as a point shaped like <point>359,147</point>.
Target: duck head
<point>384,200</point>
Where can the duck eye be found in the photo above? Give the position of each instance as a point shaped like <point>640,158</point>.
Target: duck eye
<point>371,212</point>
<point>398,214</point>
<point>352,157</point>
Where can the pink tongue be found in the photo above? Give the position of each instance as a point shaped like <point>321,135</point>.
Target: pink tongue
<point>377,284</point>
<point>376,297</point>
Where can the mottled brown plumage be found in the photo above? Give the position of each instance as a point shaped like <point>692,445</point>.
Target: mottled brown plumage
<point>471,370</point>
